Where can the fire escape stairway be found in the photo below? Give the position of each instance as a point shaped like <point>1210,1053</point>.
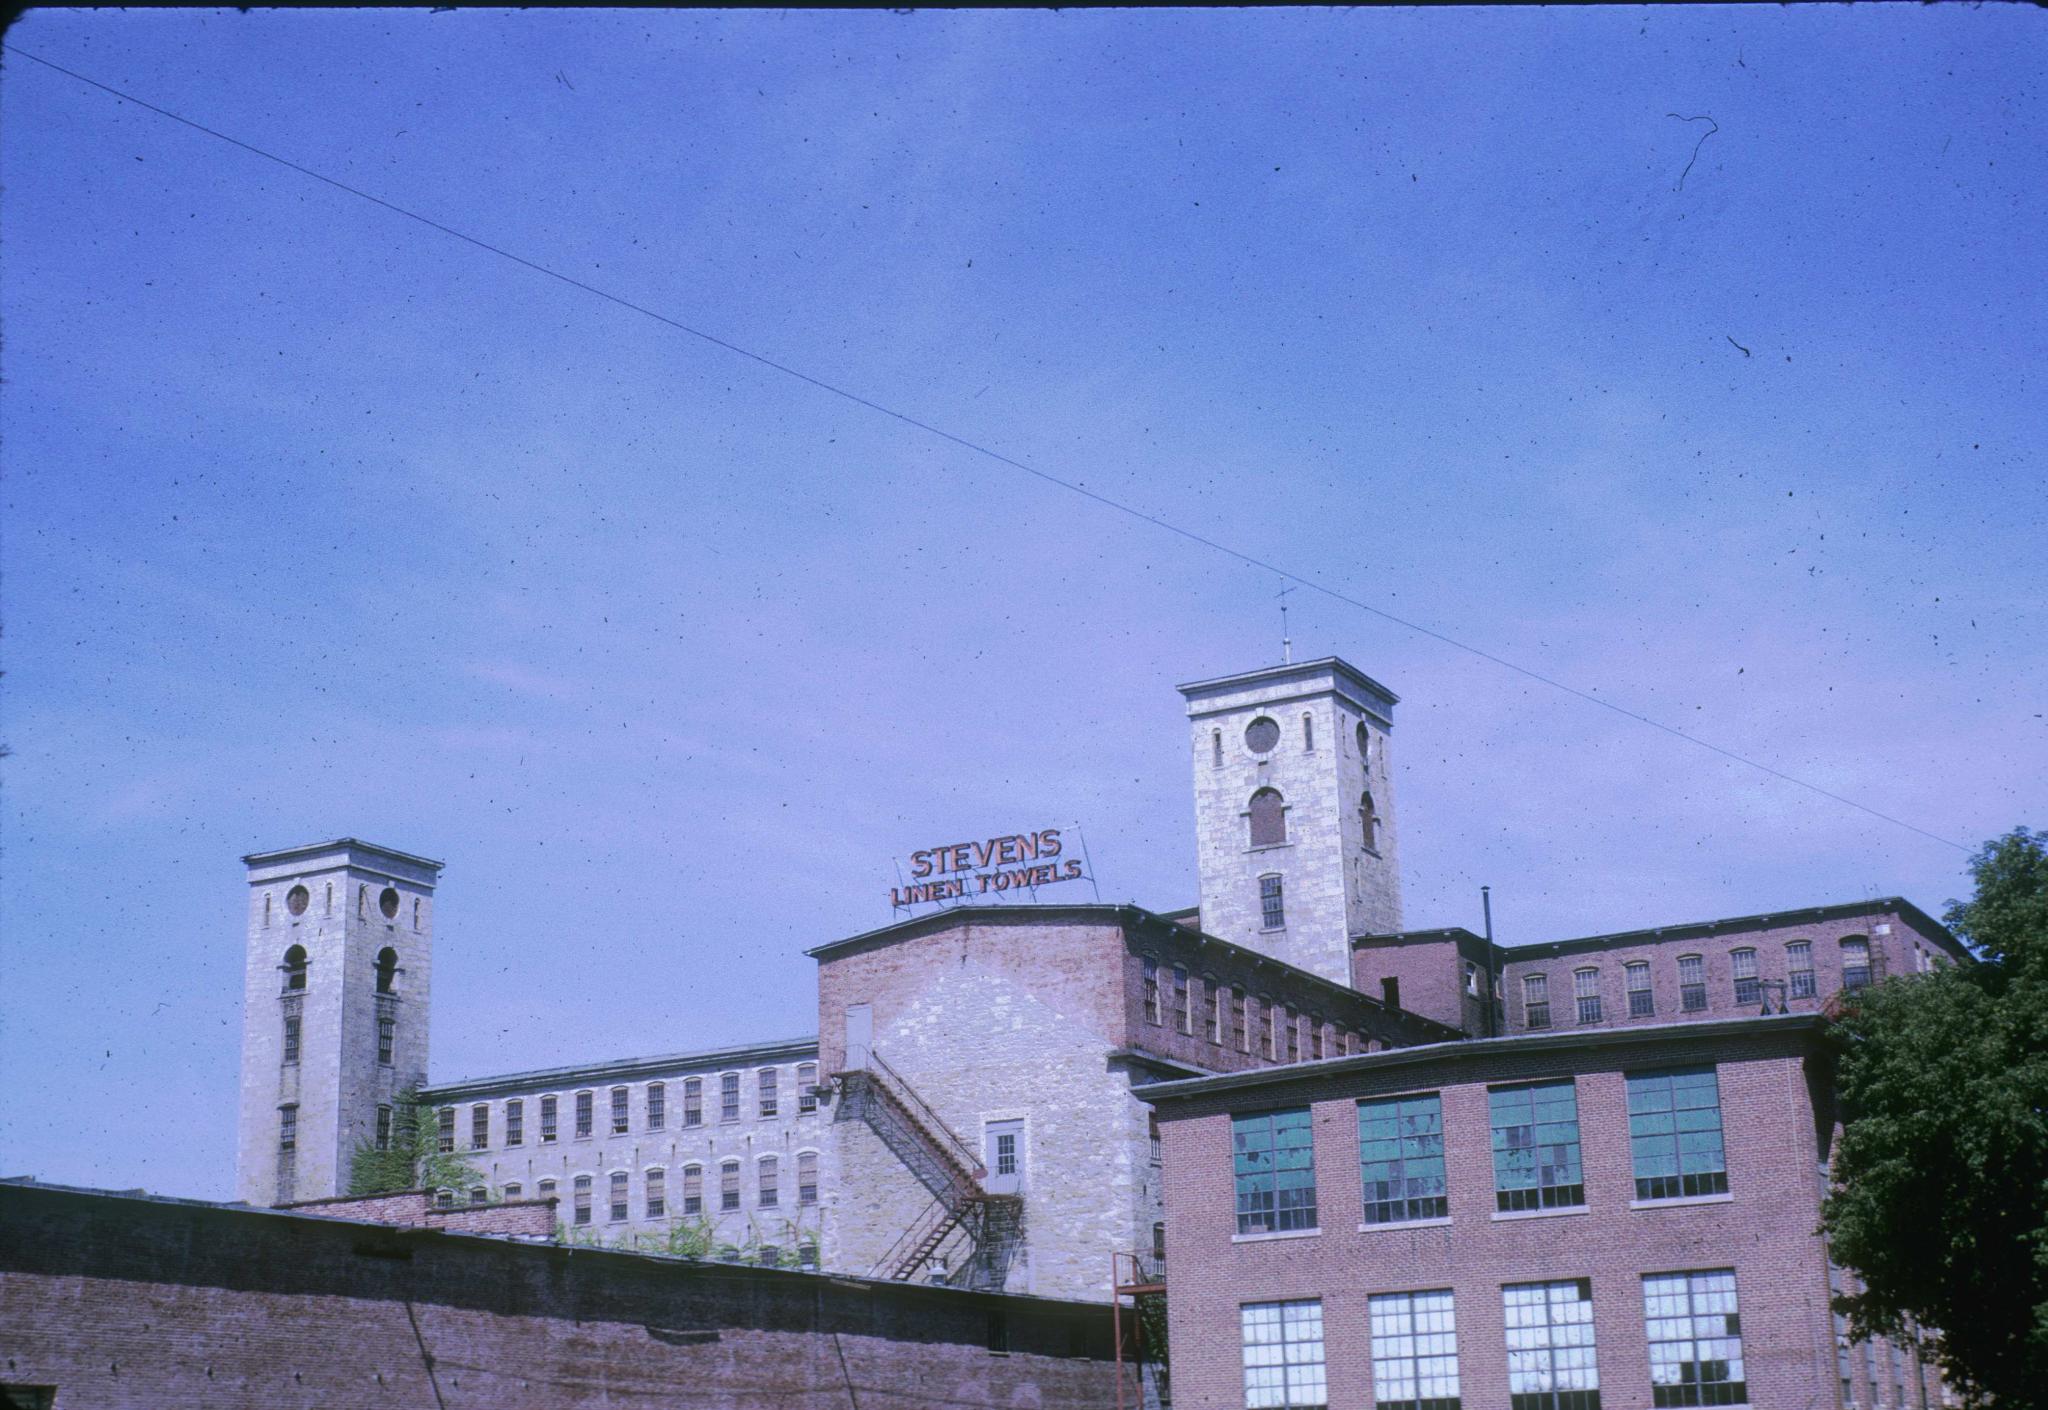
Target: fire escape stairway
<point>944,1164</point>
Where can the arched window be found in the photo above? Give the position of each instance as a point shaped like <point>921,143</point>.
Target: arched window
<point>362,901</point>
<point>1855,962</point>
<point>693,1189</point>
<point>1368,822</point>
<point>729,1184</point>
<point>295,967</point>
<point>1269,818</point>
<point>769,1176</point>
<point>387,969</point>
<point>1586,991</point>
<point>1742,966</point>
<point>1364,742</point>
<point>1692,983</point>
<point>1799,968</point>
<point>415,913</point>
<point>1216,747</point>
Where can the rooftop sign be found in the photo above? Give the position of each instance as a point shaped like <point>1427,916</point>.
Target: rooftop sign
<point>960,870</point>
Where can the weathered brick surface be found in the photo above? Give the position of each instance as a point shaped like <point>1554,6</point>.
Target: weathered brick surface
<point>122,1302</point>
<point>519,1219</point>
<point>1764,1229</point>
<point>1429,967</point>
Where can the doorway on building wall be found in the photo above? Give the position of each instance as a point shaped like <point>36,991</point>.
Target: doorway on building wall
<point>1003,1154</point>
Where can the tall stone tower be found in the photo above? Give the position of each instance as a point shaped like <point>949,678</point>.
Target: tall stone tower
<point>1294,808</point>
<point>334,1010</point>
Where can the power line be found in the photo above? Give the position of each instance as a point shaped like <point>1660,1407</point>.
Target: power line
<point>1190,535</point>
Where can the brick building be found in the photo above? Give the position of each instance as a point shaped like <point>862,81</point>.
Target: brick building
<point>1001,1096</point>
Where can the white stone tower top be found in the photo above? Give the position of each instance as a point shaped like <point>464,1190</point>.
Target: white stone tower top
<point>1294,811</point>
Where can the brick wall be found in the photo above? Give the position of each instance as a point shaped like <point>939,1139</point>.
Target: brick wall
<point>519,1219</point>
<point>120,1301</point>
<point>1429,966</point>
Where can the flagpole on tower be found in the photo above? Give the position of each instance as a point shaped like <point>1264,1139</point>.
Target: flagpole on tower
<point>1286,642</point>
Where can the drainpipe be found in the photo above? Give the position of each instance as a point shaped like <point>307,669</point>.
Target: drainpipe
<point>1494,1002</point>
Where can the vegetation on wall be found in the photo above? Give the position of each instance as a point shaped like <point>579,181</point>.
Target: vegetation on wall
<point>414,1160</point>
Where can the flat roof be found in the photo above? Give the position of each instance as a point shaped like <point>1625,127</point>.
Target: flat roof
<point>285,854</point>
<point>618,1068</point>
<point>1800,915</point>
<point>1467,1048</point>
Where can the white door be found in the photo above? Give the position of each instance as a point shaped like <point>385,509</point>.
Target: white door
<point>1003,1155</point>
<point>860,1035</point>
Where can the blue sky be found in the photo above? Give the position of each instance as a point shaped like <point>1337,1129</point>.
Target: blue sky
<point>317,522</point>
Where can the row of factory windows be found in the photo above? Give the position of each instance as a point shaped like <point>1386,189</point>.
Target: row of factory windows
<point>1747,984</point>
<point>1692,1322</point>
<point>768,1103</point>
<point>1674,1123</point>
<point>1232,1018</point>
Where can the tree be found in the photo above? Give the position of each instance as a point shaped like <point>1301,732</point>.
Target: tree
<point>1940,1203</point>
<point>414,1160</point>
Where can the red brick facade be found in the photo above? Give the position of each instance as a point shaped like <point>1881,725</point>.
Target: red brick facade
<point>515,1219</point>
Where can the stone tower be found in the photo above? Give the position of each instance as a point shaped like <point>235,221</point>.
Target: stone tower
<point>334,1010</point>
<point>1294,811</point>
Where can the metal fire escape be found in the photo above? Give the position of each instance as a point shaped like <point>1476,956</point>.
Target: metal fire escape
<point>947,1167</point>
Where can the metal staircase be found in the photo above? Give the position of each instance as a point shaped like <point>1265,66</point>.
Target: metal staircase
<point>946,1166</point>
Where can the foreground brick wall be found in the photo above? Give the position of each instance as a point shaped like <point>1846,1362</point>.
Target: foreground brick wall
<point>121,1301</point>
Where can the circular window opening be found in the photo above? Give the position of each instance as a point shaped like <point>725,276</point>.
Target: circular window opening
<point>1364,741</point>
<point>388,903</point>
<point>1261,735</point>
<point>295,900</point>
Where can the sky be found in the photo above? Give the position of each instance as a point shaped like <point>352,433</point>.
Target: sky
<point>1690,357</point>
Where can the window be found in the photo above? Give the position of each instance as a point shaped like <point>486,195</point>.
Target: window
<point>513,1190</point>
<point>287,1128</point>
<point>656,1193</point>
<point>1283,1355</point>
<point>1212,1010</point>
<point>1414,1351</point>
<point>1695,1335</point>
<point>1369,823</point>
<point>1269,1032</point>
<point>729,1096</point>
<point>479,1126</point>
<point>547,1119</point>
<point>1855,963</point>
<point>806,1087</point>
<point>693,1102</point>
<point>580,1203</point>
<point>1155,1151</point>
<point>1261,735</point>
<point>1471,980</point>
<point>1799,968</point>
<point>479,1195</point>
<point>1536,1001</point>
<point>291,1037</point>
<point>1315,1038</point>
<point>1742,964</point>
<point>620,1123</point>
<point>1401,1156</point>
<point>1364,742</point>
<point>1308,734</point>
<point>1641,1002</point>
<point>1272,905</point>
<point>1148,968</point>
<point>1159,1243</point>
<point>295,967</point>
<point>1216,747</point>
<point>1240,1032</point>
<point>1586,990</point>
<point>620,1195</point>
<point>693,1189</point>
<point>1291,1022</point>
<point>387,969</point>
<point>584,1104</point>
<point>806,1177</point>
<point>1692,983</point>
<point>445,1129</point>
<point>657,1106</point>
<point>770,1181</point>
<point>362,901</point>
<point>766,1083</point>
<point>1550,1346</point>
<point>1390,991</point>
<point>444,1199</point>
<point>1536,1147</point>
<point>544,1190</point>
<point>1674,1133</point>
<point>1276,1178</point>
<point>383,1128</point>
<point>729,1185</point>
<point>1183,1015</point>
<point>515,1122</point>
<point>387,1039</point>
<point>1268,814</point>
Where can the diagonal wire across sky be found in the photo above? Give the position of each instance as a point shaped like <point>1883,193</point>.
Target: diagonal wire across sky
<point>1290,575</point>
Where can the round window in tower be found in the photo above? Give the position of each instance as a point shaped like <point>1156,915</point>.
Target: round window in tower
<point>388,903</point>
<point>295,900</point>
<point>1364,741</point>
<point>1261,735</point>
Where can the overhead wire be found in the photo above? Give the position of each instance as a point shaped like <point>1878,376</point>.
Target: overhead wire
<point>904,418</point>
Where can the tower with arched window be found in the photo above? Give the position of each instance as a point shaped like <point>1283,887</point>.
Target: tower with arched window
<point>1294,811</point>
<point>334,1010</point>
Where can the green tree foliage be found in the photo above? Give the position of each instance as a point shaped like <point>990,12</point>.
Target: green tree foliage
<point>1941,1174</point>
<point>414,1160</point>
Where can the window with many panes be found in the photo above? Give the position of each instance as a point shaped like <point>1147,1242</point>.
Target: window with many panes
<point>1586,990</point>
<point>1536,1001</point>
<point>1240,1032</point>
<point>580,1204</point>
<point>1283,1355</point>
<point>1799,969</point>
<point>1642,1003</point>
<point>620,1196</point>
<point>1291,1022</point>
<point>549,1129</point>
<point>387,1037</point>
<point>1212,1010</point>
<point>769,1182</point>
<point>479,1126</point>
<point>1692,983</point>
<point>806,1086</point>
<point>1855,963</point>
<point>1183,1015</point>
<point>729,1185</point>
<point>693,1189</point>
<point>545,1189</point>
<point>444,1129</point>
<point>1536,1147</point>
<point>1274,1158</point>
<point>1742,967</point>
<point>585,1103</point>
<point>291,1037</point>
<point>1272,904</point>
<point>806,1177</point>
<point>515,1122</point>
<point>657,1193</point>
<point>1401,1155</point>
<point>1148,969</point>
<point>383,1128</point>
<point>1414,1351</point>
<point>767,1087</point>
<point>657,1106</point>
<point>287,1128</point>
<point>729,1096</point>
<point>693,1102</point>
<point>479,1195</point>
<point>1695,1333</point>
<point>513,1190</point>
<point>1269,1030</point>
<point>1674,1131</point>
<point>620,1123</point>
<point>1550,1346</point>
